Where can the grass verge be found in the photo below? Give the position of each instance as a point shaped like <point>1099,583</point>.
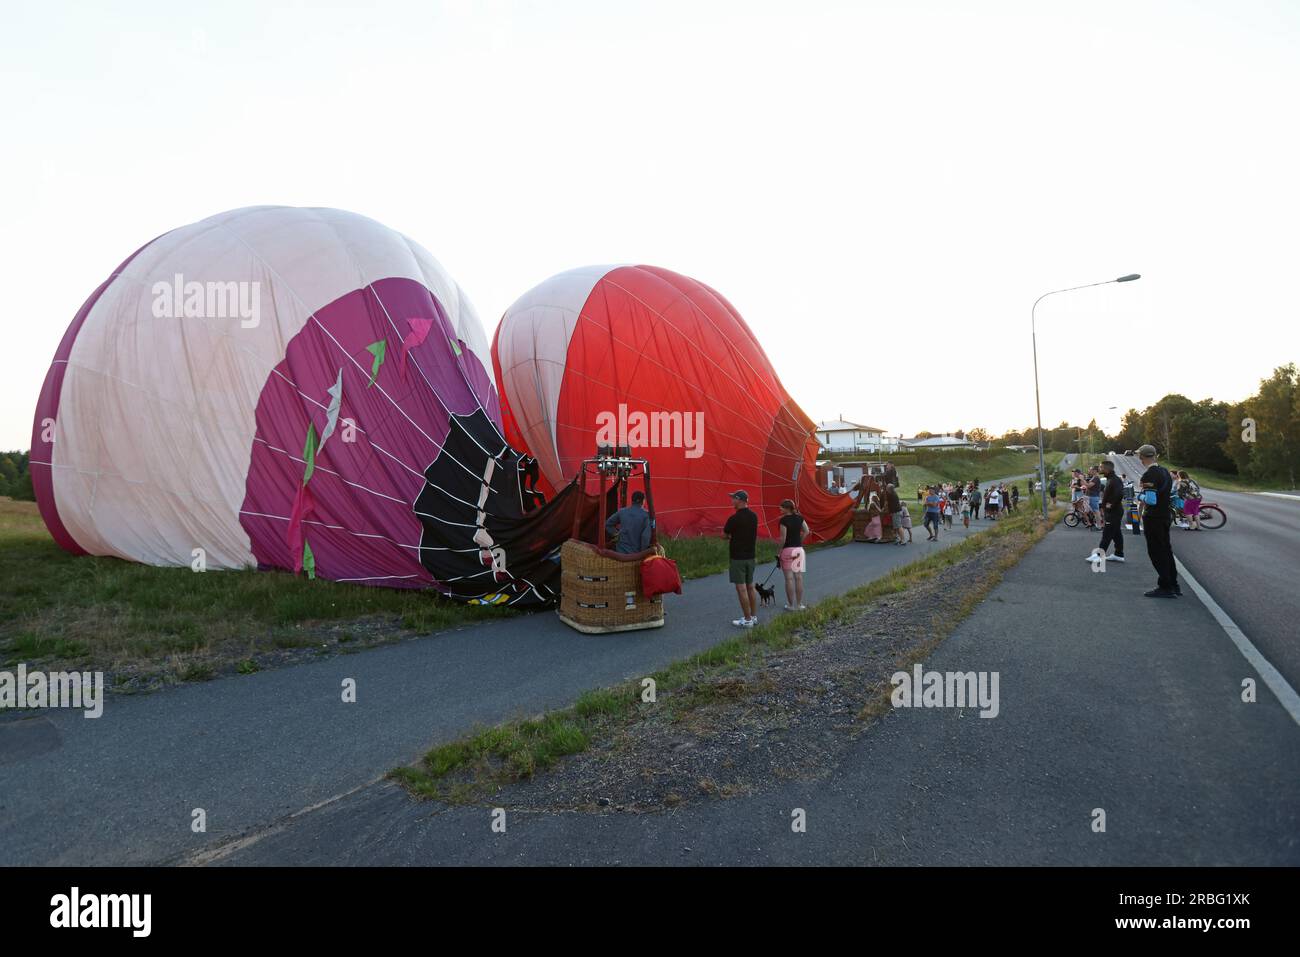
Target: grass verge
<point>146,626</point>
<point>475,766</point>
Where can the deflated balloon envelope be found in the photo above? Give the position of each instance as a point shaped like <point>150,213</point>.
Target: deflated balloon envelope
<point>642,356</point>
<point>291,388</point>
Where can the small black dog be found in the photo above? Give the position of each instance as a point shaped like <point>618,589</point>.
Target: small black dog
<point>766,595</point>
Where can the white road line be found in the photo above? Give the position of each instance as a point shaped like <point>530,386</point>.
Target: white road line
<point>1294,498</point>
<point>1285,694</point>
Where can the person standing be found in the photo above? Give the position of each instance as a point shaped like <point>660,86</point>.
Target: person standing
<point>894,506</point>
<point>741,532</point>
<point>1112,513</point>
<point>1093,488</point>
<point>976,499</point>
<point>933,502</point>
<point>965,508</point>
<point>793,558</point>
<point>993,503</point>
<point>890,475</point>
<point>1051,489</point>
<point>1157,517</point>
<point>1191,500</point>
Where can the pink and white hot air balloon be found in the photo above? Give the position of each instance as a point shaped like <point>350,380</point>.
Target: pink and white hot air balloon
<point>288,388</point>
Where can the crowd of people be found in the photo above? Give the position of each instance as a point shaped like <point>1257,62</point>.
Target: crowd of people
<point>1100,495</point>
<point>1090,490</point>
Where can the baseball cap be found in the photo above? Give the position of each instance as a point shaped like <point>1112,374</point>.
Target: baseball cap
<point>741,494</point>
<point>1146,451</point>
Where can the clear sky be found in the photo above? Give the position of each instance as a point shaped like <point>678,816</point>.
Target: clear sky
<point>881,189</point>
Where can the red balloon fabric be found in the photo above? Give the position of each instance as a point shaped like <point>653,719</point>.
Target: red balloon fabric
<point>644,357</point>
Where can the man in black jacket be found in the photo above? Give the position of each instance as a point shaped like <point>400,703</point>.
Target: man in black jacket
<point>1112,512</point>
<point>1156,520</point>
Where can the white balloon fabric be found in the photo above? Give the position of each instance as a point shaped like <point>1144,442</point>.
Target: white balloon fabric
<point>278,387</point>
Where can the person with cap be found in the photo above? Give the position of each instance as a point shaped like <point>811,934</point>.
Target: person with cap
<point>741,532</point>
<point>1156,483</point>
<point>633,524</point>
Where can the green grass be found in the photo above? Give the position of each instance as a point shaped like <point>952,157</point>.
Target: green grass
<point>106,613</point>
<point>60,609</point>
<point>476,765</point>
<point>957,466</point>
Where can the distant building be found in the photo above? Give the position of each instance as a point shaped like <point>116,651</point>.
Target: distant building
<point>938,442</point>
<point>842,436</point>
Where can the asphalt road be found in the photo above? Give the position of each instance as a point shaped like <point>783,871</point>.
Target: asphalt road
<point>253,749</point>
<point>1108,702</point>
<point>1249,566</point>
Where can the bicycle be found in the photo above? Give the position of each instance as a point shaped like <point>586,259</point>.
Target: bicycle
<point>1212,516</point>
<point>1077,516</point>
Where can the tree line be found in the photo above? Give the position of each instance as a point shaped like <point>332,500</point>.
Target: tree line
<point>1257,438</point>
<point>15,479</point>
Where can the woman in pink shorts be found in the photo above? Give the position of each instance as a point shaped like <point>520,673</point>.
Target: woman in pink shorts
<point>794,561</point>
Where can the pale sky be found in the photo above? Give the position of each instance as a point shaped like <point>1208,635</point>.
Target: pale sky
<point>881,189</point>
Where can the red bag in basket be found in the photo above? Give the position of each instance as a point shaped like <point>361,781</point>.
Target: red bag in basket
<point>659,576</point>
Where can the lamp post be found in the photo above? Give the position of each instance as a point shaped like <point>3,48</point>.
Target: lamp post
<point>1042,469</point>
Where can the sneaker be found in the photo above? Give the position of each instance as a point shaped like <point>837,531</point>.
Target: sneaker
<point>1088,558</point>
<point>789,608</point>
<point>751,622</point>
<point>1160,593</point>
<point>1114,558</point>
<point>739,622</point>
<point>803,607</point>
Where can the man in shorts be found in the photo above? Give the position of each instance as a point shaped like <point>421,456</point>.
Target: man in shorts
<point>741,532</point>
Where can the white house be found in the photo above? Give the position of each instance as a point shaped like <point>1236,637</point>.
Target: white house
<point>842,436</point>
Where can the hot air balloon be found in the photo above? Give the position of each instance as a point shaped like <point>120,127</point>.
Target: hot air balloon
<point>644,358</point>
<point>299,389</point>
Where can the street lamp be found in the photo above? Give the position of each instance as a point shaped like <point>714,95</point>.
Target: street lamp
<point>1042,469</point>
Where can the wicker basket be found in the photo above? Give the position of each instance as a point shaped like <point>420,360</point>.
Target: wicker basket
<point>599,594</point>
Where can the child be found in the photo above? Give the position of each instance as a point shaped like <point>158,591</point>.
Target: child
<point>907,525</point>
<point>965,511</point>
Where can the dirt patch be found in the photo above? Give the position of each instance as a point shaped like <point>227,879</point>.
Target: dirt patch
<point>307,642</point>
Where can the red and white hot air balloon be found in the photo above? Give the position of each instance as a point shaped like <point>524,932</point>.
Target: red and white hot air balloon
<point>644,357</point>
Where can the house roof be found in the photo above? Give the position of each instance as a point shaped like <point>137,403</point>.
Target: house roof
<point>839,425</point>
<point>937,441</point>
